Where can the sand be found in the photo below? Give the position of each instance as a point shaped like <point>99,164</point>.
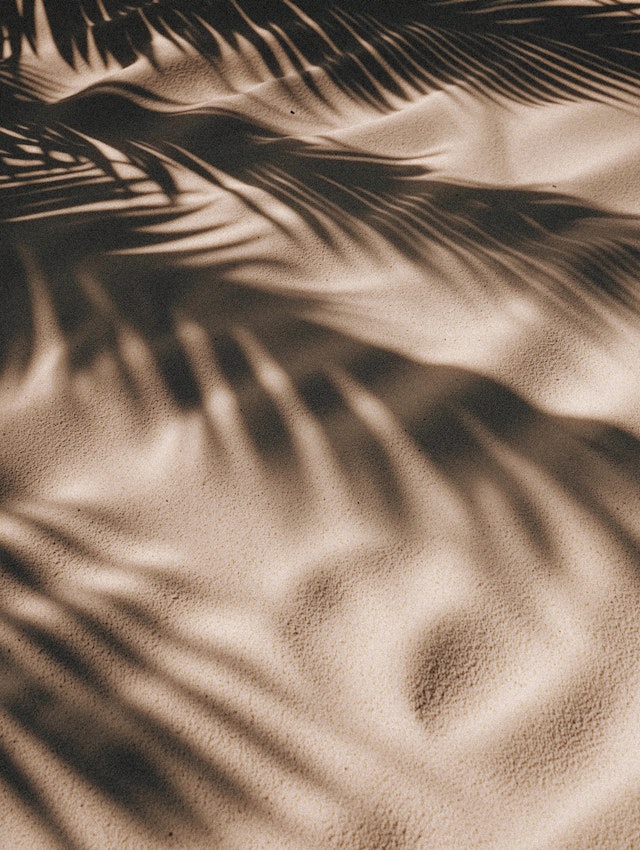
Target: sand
<point>320,416</point>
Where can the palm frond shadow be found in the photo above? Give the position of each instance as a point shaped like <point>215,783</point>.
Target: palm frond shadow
<point>527,51</point>
<point>462,424</point>
<point>56,169</point>
<point>452,415</point>
<point>77,712</point>
<point>153,297</point>
<point>59,162</point>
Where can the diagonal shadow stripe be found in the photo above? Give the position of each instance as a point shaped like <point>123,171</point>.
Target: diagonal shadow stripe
<point>528,51</point>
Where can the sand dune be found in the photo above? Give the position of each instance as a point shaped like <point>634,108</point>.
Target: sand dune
<point>320,424</point>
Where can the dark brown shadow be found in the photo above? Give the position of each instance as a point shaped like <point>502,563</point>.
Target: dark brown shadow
<point>584,258</point>
<point>526,51</point>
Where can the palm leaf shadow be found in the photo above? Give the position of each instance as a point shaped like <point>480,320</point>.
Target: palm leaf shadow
<point>75,711</point>
<point>454,417</point>
<point>100,738</point>
<point>584,258</point>
<point>153,296</point>
<point>59,181</point>
<point>527,51</point>
<point>442,409</point>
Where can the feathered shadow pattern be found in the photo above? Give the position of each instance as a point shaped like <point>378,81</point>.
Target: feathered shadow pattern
<point>69,169</point>
<point>527,51</point>
<point>476,434</point>
<point>56,690</point>
<point>76,192</point>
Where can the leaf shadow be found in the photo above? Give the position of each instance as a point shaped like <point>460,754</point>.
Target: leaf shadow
<point>271,359</point>
<point>525,51</point>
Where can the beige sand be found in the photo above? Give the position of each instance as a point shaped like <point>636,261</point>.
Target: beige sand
<point>320,509</point>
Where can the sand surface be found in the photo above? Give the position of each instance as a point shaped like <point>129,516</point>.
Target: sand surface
<point>320,417</point>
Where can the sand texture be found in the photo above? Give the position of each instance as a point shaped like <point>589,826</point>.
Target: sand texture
<point>320,425</point>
